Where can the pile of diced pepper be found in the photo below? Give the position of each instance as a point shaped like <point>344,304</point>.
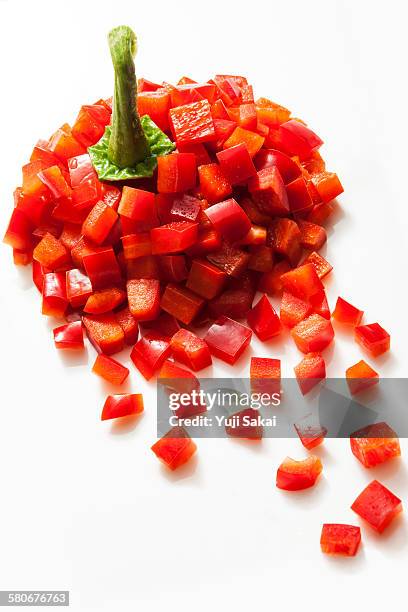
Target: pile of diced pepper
<point>239,207</point>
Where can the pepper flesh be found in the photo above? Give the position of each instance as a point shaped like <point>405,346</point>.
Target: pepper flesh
<point>340,539</point>
<point>190,350</point>
<point>298,475</point>
<point>124,405</point>
<point>227,339</point>
<point>377,505</point>
<point>375,444</point>
<point>175,448</point>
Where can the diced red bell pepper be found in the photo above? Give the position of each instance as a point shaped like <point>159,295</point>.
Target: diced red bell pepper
<point>146,85</point>
<point>173,237</point>
<point>198,149</point>
<point>110,369</point>
<point>229,219</point>
<point>122,405</point>
<point>205,279</point>
<point>288,169</point>
<point>293,309</point>
<point>184,92</point>
<point>55,181</point>
<point>377,505</point>
<point>233,303</point>
<point>219,110</point>
<point>223,129</point>
<point>83,247</point>
<point>70,235</point>
<point>104,300</point>
<point>270,282</point>
<point>185,208</point>
<point>298,475</point>
<point>320,305</point>
<point>65,145</point>
<point>284,238</point>
<point>231,260</point>
<point>172,268</point>
<point>255,237</point>
<point>375,444</point>
<point>192,123</point>
<point>140,206</point>
<point>175,448</point>
<point>298,139</point>
<point>327,185</point>
<point>156,104</point>
<point>313,334</point>
<point>245,425</point>
<point>39,272</point>
<point>361,376</point>
<point>102,268</point>
<point>312,236</point>
<point>319,263</point>
<point>345,312</point>
<point>340,539</point>
<point>303,282</point>
<point>111,195</point>
<point>182,303</point>
<point>85,195</point>
<point>246,116</point>
<point>87,129</point>
<point>265,374</point>
<point>22,258</point>
<point>228,339</point>
<point>263,319</point>
<point>69,336</point>
<point>229,88</point>
<point>144,298</point>
<point>236,164</point>
<point>80,170</point>
<point>165,324</point>
<point>136,245</point>
<point>177,379</point>
<point>42,152</point>
<point>320,213</point>
<point>252,140</point>
<point>299,198</point>
<point>150,352</point>
<point>18,234</point>
<point>373,338</point>
<point>310,434</point>
<point>33,186</point>
<point>208,241</point>
<point>310,371</point>
<point>261,258</point>
<point>128,324</point>
<point>142,267</point>
<point>99,222</point>
<point>51,253</point>
<point>190,350</point>
<point>79,287</point>
<point>176,172</point>
<point>104,332</point>
<point>54,296</point>
<point>214,185</point>
<point>270,113</point>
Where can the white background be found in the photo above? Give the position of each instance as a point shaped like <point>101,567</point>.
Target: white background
<point>85,505</point>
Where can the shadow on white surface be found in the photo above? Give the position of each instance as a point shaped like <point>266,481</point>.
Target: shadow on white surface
<point>187,471</point>
<point>125,425</point>
<point>73,358</point>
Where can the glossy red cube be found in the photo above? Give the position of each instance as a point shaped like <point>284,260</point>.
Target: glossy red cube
<point>175,448</point>
<point>102,268</point>
<point>227,339</point>
<point>373,338</point>
<point>110,369</point>
<point>79,287</point>
<point>190,350</point>
<point>310,371</point>
<point>180,302</point>
<point>139,206</point>
<point>361,376</point>
<point>340,539</point>
<point>229,220</point>
<point>150,352</point>
<point>263,319</point>
<point>205,279</point>
<point>173,237</point>
<point>54,294</point>
<point>236,163</point>
<point>122,405</point>
<point>313,334</point>
<point>265,374</point>
<point>268,192</point>
<point>176,172</point>
<point>69,336</point>
<point>345,312</point>
<point>310,434</point>
<point>377,505</point>
<point>192,123</point>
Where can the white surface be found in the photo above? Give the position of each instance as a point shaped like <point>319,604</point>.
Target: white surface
<point>86,506</point>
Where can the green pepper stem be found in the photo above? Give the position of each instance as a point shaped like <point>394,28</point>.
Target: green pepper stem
<point>127,144</point>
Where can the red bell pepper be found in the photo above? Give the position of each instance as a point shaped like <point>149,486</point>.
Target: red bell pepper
<point>190,350</point>
<point>102,268</point>
<point>146,85</point>
<point>142,267</point>
<point>270,113</point>
<point>320,213</point>
<point>299,198</point>
<point>21,258</point>
<point>83,247</point>
<point>340,539</point>
<point>180,302</point>
<point>38,275</point>
<point>252,140</point>
<point>361,376</point>
<point>99,222</point>
<point>51,253</point>
<point>177,379</point>
<point>173,237</point>
<point>214,185</point>
<point>345,312</point>
<point>205,279</point>
<point>231,260</point>
<point>19,231</point>
<point>298,475</point>
<point>284,238</point>
<point>136,245</point>
<point>104,300</point>
<point>87,129</point>
<point>54,296</point>
<point>310,435</point>
<point>320,305</point>
<point>128,324</point>
<point>228,339</point>
<point>303,282</point>
<point>229,220</point>
<point>185,93</point>
<point>139,206</point>
<point>173,268</point>
<point>144,298</point>
<point>149,353</point>
<point>111,195</point>
<point>313,334</point>
<point>298,139</point>
<point>124,405</point>
<point>245,425</point>
<point>110,369</point>
<point>312,236</point>
<point>64,145</point>
<point>261,258</point>
<point>293,309</point>
<point>184,208</point>
<point>208,241</point>
<point>327,185</point>
<point>377,505</point>
<point>165,324</point>
<point>236,164</point>
<point>268,192</point>
<point>263,319</point>
<point>55,181</point>
<point>375,444</point>
<point>255,237</point>
<point>176,172</point>
<point>33,186</point>
<point>310,371</point>
<point>42,152</point>
<point>319,263</point>
<point>70,236</point>
<point>78,286</point>
<point>373,338</point>
<point>104,332</point>
<point>270,282</point>
<point>175,448</point>
<point>288,169</point>
<point>234,303</point>
<point>156,104</point>
<point>69,336</point>
<point>199,150</point>
<point>265,374</point>
<point>192,123</point>
<point>80,170</point>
